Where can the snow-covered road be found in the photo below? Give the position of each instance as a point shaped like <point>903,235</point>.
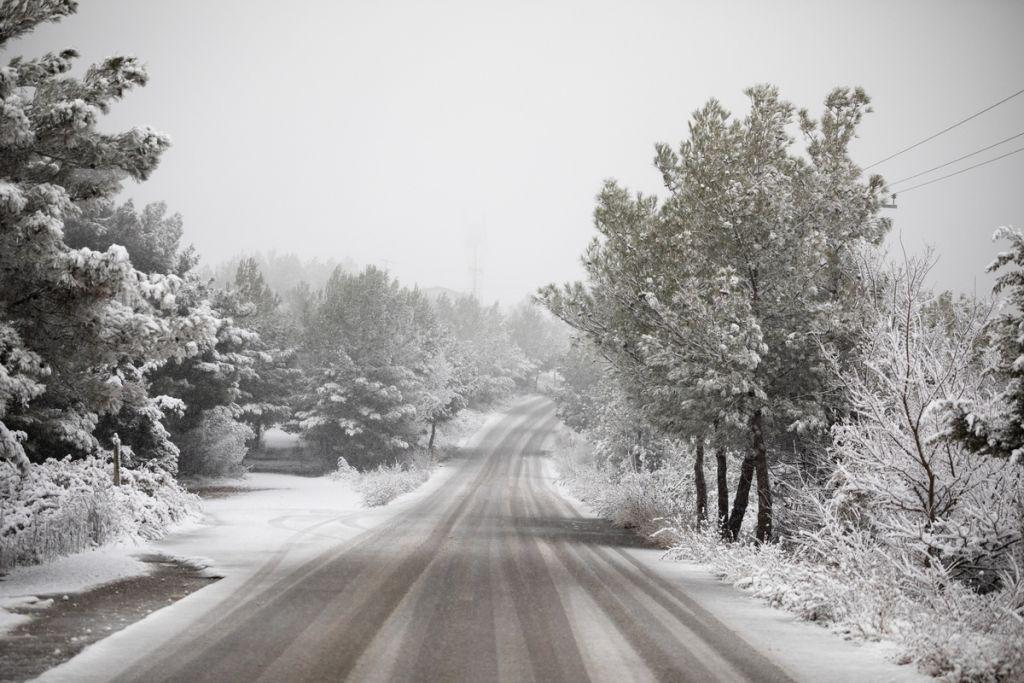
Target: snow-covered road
<point>486,573</point>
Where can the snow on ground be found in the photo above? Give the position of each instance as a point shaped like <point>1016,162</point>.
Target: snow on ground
<point>806,651</point>
<point>74,573</point>
<point>9,620</point>
<point>275,439</point>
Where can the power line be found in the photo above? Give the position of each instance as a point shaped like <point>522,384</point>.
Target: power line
<point>962,170</point>
<point>966,156</point>
<point>946,130</point>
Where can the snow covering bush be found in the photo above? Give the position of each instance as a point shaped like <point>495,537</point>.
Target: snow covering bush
<point>67,506</point>
<point>633,500</point>
<point>387,482</point>
<point>840,575</point>
<point>216,446</point>
<point>639,498</point>
<point>850,583</point>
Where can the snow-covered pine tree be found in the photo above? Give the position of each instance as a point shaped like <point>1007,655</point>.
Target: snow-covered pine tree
<point>441,395</point>
<point>364,359</point>
<point>151,236</point>
<point>787,230</point>
<point>995,427</point>
<point>667,358</point>
<point>212,378</point>
<point>267,391</point>
<point>715,306</point>
<point>83,322</point>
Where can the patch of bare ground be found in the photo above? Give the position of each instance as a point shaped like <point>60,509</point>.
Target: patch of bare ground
<point>59,632</point>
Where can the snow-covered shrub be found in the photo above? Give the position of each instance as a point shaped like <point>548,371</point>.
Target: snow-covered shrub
<point>962,636</point>
<point>634,498</point>
<point>216,446</point>
<point>637,500</point>
<point>345,472</point>
<point>942,525</point>
<point>898,476</point>
<point>66,506</point>
<point>387,482</point>
<point>845,580</point>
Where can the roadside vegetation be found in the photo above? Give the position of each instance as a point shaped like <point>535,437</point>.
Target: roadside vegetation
<point>758,387</point>
<point>63,506</point>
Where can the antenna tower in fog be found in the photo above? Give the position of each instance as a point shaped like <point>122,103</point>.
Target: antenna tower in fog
<point>476,237</point>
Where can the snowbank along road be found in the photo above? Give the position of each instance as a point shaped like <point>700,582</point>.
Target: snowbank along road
<point>493,576</point>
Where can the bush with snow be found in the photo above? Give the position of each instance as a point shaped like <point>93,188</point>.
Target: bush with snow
<point>647,499</point>
<point>216,446</point>
<point>66,506</point>
<point>387,482</point>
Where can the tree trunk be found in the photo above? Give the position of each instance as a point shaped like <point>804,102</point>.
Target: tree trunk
<point>764,489</point>
<point>723,491</point>
<point>634,456</point>
<point>739,505</point>
<point>699,484</point>
<point>117,459</point>
<point>257,437</point>
<point>433,432</point>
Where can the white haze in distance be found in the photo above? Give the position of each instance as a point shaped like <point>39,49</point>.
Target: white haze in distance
<point>400,133</point>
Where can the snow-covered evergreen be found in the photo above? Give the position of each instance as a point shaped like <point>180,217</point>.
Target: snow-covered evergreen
<point>81,326</point>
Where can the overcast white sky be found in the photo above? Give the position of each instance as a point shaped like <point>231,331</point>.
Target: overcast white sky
<point>394,132</point>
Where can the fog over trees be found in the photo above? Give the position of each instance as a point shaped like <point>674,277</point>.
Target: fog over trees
<point>745,376</point>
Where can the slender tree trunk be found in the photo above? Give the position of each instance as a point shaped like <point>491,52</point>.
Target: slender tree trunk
<point>257,438</point>
<point>764,488</point>
<point>739,504</point>
<point>634,456</point>
<point>699,484</point>
<point>723,491</point>
<point>117,460</point>
<point>433,432</point>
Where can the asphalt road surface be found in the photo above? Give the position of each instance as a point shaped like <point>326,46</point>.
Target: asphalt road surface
<point>493,576</point>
